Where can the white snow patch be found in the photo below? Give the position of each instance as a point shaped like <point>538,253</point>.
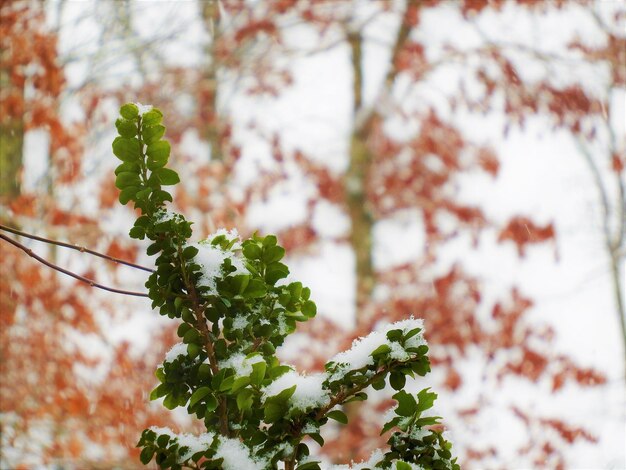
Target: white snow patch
<point>179,349</point>
<point>237,456</point>
<point>241,364</point>
<point>211,258</point>
<point>143,108</point>
<point>359,355</point>
<point>194,443</point>
<point>309,392</point>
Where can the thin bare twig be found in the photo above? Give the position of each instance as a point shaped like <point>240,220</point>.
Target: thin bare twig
<point>92,283</point>
<point>74,247</point>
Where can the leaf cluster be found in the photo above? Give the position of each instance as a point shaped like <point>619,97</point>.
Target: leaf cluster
<point>235,308</point>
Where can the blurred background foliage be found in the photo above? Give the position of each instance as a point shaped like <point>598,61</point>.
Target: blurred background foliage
<point>375,138</point>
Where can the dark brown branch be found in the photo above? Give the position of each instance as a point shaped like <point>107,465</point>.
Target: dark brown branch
<point>92,283</point>
<point>74,247</point>
<point>198,310</point>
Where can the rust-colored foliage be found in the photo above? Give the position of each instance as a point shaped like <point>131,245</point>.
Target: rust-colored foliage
<point>60,402</point>
<point>419,173</point>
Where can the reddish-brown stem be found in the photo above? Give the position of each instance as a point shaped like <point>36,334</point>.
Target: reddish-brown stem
<point>91,282</point>
<point>208,345</point>
<point>74,247</point>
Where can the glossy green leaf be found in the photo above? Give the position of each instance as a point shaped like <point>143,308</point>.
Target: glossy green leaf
<point>126,128</point>
<point>158,154</point>
<point>126,179</point>
<point>407,406</point>
<point>198,395</point>
<point>339,416</point>
<point>129,111</point>
<point>152,117</point>
<point>166,176</point>
<point>152,134</point>
<point>126,149</point>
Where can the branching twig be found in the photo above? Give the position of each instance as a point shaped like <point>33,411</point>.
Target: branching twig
<point>74,247</point>
<point>92,283</point>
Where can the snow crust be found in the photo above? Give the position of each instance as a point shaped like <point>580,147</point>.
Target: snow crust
<point>179,349</point>
<point>143,108</point>
<point>237,456</point>
<point>375,457</point>
<point>359,355</point>
<point>241,364</point>
<point>309,392</point>
<point>211,258</point>
<point>194,443</point>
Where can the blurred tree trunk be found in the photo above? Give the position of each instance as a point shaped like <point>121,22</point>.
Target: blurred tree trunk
<point>361,159</point>
<point>11,144</point>
<point>210,12</point>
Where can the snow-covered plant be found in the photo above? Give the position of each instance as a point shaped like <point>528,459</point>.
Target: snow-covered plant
<point>235,309</point>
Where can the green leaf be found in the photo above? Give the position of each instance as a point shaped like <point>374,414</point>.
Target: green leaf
<point>397,380</point>
<point>153,249</point>
<point>279,370</point>
<point>317,438</point>
<point>406,404</point>
<point>193,350</point>
<point>166,176</point>
<point>394,335</point>
<point>390,425</point>
<point>272,412</point>
<point>338,415</point>
<point>162,440</point>
<point>126,128</point>
<point>198,395</point>
<point>227,383</point>
<point>270,240</point>
<point>403,466</point>
<point>255,289</point>
<point>360,396</point>
<point>137,232</point>
<point>146,455</point>
<point>160,391</point>
<point>191,336</point>
<point>128,193</point>
<point>152,134</point>
<point>132,167</point>
<point>158,153</point>
<point>126,149</point>
<point>258,373</point>
<point>127,179</point>
<point>309,308</point>
<point>275,271</point>
<point>240,383</point>
<point>245,399</point>
<point>251,250</point>
<point>210,403</point>
<point>129,111</point>
<point>412,333</point>
<point>190,252</point>
<point>427,421</point>
<point>273,253</point>
<point>152,117</point>
<point>426,399</point>
<point>170,402</point>
<point>379,384</point>
<point>381,350</point>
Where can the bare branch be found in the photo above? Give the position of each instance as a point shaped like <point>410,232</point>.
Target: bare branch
<point>92,283</point>
<point>74,247</point>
